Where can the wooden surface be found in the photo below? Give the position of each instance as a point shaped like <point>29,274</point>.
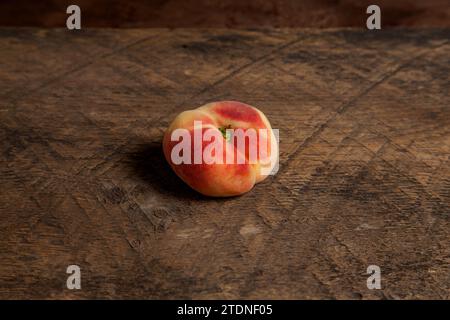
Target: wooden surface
<point>364,122</point>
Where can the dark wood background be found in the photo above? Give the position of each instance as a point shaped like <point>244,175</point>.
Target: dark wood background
<point>225,13</point>
<point>364,124</point>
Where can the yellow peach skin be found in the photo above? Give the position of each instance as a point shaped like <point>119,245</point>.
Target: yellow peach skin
<point>223,179</point>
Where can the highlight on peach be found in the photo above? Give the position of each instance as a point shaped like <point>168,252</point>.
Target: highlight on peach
<point>222,148</point>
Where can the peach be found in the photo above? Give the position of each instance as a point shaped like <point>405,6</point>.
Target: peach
<point>221,149</point>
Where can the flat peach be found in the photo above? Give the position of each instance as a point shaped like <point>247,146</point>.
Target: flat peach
<point>236,130</point>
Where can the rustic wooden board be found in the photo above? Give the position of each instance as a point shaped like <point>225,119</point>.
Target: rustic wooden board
<point>364,122</point>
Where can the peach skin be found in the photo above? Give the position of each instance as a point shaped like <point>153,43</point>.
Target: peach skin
<point>221,149</point>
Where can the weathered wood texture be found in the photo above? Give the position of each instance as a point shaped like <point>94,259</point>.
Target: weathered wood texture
<point>364,121</point>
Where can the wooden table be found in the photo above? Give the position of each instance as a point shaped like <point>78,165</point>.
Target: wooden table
<point>364,122</point>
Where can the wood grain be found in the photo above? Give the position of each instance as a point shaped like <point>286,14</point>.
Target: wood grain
<point>364,122</point>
